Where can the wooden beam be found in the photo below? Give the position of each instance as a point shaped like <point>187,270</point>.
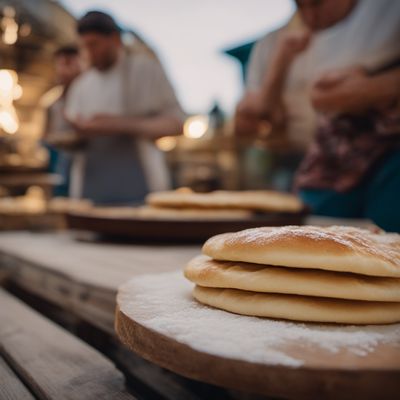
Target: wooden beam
<point>11,388</point>
<point>51,362</point>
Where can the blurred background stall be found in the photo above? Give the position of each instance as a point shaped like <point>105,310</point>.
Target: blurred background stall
<point>30,32</point>
<point>206,157</point>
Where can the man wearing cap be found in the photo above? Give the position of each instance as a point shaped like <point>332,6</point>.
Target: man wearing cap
<point>119,106</point>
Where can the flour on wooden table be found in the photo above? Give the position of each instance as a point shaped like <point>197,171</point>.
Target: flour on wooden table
<point>163,303</point>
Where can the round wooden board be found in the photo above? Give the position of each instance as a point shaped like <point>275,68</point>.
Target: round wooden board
<point>174,229</point>
<point>323,375</point>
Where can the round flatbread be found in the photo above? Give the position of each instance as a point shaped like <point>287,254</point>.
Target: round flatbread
<point>258,200</point>
<point>204,271</point>
<point>299,308</point>
<point>336,248</point>
<point>159,213</point>
<point>149,212</point>
<point>65,205</point>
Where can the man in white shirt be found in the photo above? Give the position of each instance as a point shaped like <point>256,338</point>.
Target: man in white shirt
<point>119,106</point>
<point>324,35</point>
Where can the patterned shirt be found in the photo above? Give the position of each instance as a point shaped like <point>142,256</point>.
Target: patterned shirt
<point>346,148</point>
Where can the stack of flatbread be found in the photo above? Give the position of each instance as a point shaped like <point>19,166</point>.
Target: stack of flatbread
<point>319,274</point>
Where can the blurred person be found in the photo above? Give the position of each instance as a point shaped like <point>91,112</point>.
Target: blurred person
<point>119,106</point>
<point>352,169</point>
<point>67,65</point>
<point>323,35</point>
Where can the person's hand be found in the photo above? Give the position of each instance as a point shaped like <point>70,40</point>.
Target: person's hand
<point>291,44</point>
<point>341,91</point>
<point>99,124</point>
<point>255,117</point>
<point>333,78</point>
<point>262,113</point>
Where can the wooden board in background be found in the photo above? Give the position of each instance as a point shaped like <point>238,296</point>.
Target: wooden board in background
<point>174,229</point>
<point>32,222</point>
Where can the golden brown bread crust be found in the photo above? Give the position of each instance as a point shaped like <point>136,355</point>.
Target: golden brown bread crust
<point>65,205</point>
<point>151,212</point>
<point>342,249</point>
<point>258,200</point>
<point>299,308</point>
<point>206,272</point>
<point>163,213</point>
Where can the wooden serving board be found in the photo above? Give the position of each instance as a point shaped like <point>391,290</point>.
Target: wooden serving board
<point>33,222</point>
<point>28,179</point>
<point>9,169</point>
<point>174,229</point>
<point>322,374</point>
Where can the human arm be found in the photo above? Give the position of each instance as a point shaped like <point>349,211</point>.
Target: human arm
<point>151,109</point>
<point>151,127</point>
<point>264,106</point>
<point>354,91</point>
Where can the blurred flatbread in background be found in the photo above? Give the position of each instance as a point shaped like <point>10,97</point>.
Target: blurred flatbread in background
<point>257,200</point>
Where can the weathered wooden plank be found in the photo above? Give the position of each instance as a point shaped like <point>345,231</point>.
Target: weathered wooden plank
<point>164,383</point>
<point>83,277</point>
<point>94,305</point>
<point>147,380</point>
<point>51,362</point>
<point>11,388</point>
<point>103,266</point>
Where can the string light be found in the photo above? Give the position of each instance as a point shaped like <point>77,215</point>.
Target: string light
<point>166,143</point>
<point>9,26</point>
<point>196,126</point>
<point>9,91</point>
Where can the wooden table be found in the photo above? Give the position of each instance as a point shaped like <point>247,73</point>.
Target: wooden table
<point>75,283</point>
<point>82,277</point>
<point>80,280</point>
<point>40,358</point>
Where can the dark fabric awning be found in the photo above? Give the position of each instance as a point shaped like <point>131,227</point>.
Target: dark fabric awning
<point>242,54</point>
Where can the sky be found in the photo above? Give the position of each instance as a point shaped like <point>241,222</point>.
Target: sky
<point>189,36</point>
